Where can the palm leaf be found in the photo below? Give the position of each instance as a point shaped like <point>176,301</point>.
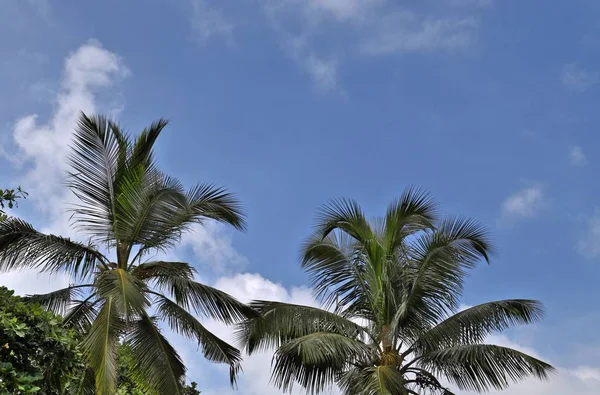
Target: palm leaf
<point>413,212</point>
<point>58,301</point>
<point>126,292</point>
<point>474,324</point>
<point>315,361</point>
<point>97,147</point>
<point>157,363</point>
<point>206,301</point>
<point>282,322</point>
<point>82,314</point>
<point>481,367</point>
<point>184,323</point>
<point>161,271</point>
<point>345,215</point>
<point>21,246</point>
<point>373,380</point>
<point>100,347</point>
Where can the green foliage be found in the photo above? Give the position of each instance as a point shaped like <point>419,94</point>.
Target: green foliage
<point>37,355</point>
<point>133,210</point>
<point>9,198</point>
<point>393,285</point>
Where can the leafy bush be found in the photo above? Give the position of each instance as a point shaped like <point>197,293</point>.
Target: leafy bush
<point>37,355</point>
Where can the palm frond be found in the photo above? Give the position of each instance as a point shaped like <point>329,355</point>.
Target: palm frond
<point>473,325</point>
<point>345,215</point>
<point>214,349</point>
<point>97,147</point>
<point>82,314</point>
<point>333,269</point>
<point>161,271</point>
<point>314,361</point>
<point>281,322</point>
<point>126,292</point>
<point>156,362</point>
<point>413,212</point>
<point>58,301</point>
<point>212,202</point>
<point>438,264</point>
<point>100,347</point>
<point>204,300</point>
<point>371,380</point>
<point>142,151</point>
<point>149,204</point>
<point>21,246</point>
<point>482,367</point>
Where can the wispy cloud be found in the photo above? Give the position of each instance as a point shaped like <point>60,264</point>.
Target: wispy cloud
<point>365,28</point>
<point>577,156</point>
<point>209,22</point>
<point>405,32</point>
<point>524,203</point>
<point>578,79</point>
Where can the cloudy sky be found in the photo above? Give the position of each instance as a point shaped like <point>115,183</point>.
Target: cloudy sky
<point>489,104</point>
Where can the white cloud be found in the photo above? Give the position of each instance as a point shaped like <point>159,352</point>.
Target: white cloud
<point>524,203</point>
<point>589,242</point>
<point>209,22</point>
<point>577,156</point>
<point>43,147</point>
<point>405,32</point>
<point>578,79</point>
<point>212,244</point>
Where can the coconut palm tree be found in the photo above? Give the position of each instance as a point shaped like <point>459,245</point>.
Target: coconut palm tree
<point>390,322</point>
<point>130,210</point>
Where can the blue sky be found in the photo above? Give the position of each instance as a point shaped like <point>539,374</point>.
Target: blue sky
<point>489,104</point>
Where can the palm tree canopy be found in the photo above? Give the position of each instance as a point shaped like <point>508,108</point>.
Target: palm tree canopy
<point>132,210</point>
<point>390,325</point>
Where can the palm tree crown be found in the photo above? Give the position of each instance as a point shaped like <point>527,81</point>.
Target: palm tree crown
<point>131,209</point>
<point>390,323</point>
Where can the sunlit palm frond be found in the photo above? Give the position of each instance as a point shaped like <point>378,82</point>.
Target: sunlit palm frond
<point>184,323</point>
<point>21,246</point>
<point>482,367</point>
<point>126,292</point>
<point>156,362</point>
<point>100,346</point>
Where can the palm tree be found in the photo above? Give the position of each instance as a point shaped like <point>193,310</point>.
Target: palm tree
<point>390,322</point>
<point>130,210</point>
